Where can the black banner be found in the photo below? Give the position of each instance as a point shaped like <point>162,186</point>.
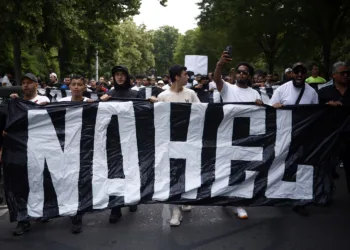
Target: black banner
<point>69,157</point>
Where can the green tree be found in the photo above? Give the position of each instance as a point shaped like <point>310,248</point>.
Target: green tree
<point>164,41</point>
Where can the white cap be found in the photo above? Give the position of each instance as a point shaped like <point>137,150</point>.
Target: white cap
<point>161,82</point>
<point>288,70</point>
<point>53,74</point>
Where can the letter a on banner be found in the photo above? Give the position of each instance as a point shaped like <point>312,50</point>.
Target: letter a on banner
<point>44,146</point>
<point>103,187</point>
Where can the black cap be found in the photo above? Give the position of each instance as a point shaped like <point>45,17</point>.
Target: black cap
<point>176,70</point>
<point>30,76</point>
<point>299,64</point>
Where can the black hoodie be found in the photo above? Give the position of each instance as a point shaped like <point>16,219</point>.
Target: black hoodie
<point>124,90</point>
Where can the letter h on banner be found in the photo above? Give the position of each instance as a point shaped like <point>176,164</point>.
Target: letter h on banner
<point>226,152</point>
<point>165,149</point>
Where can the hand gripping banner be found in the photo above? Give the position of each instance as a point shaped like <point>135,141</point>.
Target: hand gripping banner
<point>68,157</point>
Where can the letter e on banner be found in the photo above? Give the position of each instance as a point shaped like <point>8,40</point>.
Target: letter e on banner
<point>226,152</point>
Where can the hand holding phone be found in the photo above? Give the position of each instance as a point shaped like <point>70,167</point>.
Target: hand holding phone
<point>229,51</point>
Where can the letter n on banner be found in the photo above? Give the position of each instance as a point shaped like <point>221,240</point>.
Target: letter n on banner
<point>129,186</point>
<point>63,164</point>
<point>226,152</point>
<point>188,149</point>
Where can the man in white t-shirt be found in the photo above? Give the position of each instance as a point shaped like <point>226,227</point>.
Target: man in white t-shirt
<point>30,90</point>
<point>178,93</point>
<point>240,92</point>
<point>295,90</point>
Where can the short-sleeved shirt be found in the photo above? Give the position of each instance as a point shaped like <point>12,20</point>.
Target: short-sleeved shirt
<point>330,93</point>
<point>288,94</point>
<point>233,93</point>
<point>186,96</point>
<point>40,99</point>
<point>318,80</point>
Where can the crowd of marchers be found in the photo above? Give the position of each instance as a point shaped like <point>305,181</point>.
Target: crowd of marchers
<point>181,85</point>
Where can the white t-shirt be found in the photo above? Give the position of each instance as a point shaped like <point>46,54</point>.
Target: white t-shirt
<point>233,93</point>
<point>69,99</point>
<point>137,88</point>
<point>166,86</point>
<point>186,95</point>
<point>40,99</point>
<point>287,94</point>
<point>212,85</point>
<point>6,80</point>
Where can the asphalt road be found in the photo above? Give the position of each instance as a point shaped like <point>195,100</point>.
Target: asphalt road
<point>204,228</point>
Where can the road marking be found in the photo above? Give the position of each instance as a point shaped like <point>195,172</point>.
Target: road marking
<point>3,211</point>
<point>166,218</point>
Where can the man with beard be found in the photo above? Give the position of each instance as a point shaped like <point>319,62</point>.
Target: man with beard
<point>240,92</point>
<point>295,92</point>
<point>30,91</point>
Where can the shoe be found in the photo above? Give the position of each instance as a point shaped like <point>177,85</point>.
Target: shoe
<point>241,213</point>
<point>133,208</point>
<point>77,226</point>
<point>22,227</point>
<point>45,220</point>
<point>176,217</point>
<point>301,210</point>
<point>115,216</point>
<point>186,208</point>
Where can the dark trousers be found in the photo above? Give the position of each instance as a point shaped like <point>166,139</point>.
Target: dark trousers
<point>345,158</point>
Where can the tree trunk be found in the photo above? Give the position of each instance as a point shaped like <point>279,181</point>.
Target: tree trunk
<point>63,59</point>
<point>327,45</point>
<point>17,59</point>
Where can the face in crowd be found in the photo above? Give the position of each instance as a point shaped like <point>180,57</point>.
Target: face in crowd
<point>342,75</point>
<point>299,76</point>
<point>120,77</point>
<point>67,81</point>
<point>315,71</point>
<point>93,84</point>
<point>29,87</point>
<point>77,87</point>
<point>242,75</point>
<point>146,82</point>
<point>102,79</point>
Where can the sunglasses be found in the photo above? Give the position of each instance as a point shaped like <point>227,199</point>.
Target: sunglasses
<point>300,70</point>
<point>242,72</point>
<point>343,73</point>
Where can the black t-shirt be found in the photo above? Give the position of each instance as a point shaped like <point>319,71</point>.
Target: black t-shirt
<point>129,93</point>
<point>330,93</point>
<point>155,92</point>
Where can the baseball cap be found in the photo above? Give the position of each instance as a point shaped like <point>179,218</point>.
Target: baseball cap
<point>160,82</point>
<point>288,70</point>
<point>299,64</point>
<point>30,76</point>
<point>54,74</point>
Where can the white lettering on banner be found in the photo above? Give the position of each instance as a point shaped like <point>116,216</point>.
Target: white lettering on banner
<point>191,150</point>
<point>225,152</point>
<point>43,145</point>
<point>276,187</point>
<point>102,187</point>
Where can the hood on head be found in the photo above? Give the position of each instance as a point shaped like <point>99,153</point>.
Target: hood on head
<point>126,84</point>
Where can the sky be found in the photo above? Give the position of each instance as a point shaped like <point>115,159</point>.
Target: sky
<point>179,13</point>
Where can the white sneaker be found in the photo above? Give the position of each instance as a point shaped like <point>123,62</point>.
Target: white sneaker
<point>176,217</point>
<point>186,208</point>
<point>240,212</point>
